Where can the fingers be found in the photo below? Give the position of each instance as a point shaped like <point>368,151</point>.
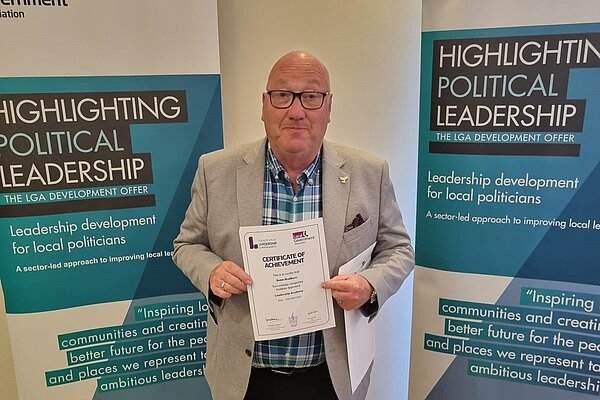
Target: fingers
<point>228,279</point>
<point>349,291</point>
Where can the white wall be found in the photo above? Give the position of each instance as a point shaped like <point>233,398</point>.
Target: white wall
<point>372,51</point>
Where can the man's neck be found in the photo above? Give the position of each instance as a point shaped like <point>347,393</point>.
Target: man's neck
<point>294,165</point>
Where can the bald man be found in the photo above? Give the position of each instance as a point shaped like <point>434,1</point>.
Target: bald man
<point>291,175</point>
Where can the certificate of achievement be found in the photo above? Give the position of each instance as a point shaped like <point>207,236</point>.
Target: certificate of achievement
<point>287,263</point>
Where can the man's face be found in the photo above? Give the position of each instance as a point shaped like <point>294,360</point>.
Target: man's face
<point>296,134</point>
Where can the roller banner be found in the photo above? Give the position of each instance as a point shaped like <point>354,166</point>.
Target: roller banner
<point>507,289</point>
<point>99,141</point>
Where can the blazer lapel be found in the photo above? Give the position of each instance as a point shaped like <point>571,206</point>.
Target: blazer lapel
<point>336,192</point>
<point>249,180</point>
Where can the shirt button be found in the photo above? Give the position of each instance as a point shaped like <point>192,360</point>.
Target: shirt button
<point>248,353</point>
<point>295,198</point>
<point>310,181</point>
<point>287,355</point>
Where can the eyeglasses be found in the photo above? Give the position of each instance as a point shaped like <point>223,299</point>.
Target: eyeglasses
<point>309,100</point>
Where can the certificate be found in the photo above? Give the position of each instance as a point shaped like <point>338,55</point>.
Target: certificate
<point>287,263</point>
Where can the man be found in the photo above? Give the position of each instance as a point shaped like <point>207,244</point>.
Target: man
<point>291,175</point>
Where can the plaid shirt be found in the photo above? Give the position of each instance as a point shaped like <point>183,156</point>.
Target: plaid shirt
<point>281,205</point>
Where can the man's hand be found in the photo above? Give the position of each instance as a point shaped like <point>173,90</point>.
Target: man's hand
<point>228,279</point>
<point>350,291</point>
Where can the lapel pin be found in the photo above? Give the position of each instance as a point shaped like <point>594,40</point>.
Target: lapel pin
<point>343,179</point>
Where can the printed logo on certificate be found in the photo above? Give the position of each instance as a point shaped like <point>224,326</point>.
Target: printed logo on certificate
<point>287,263</point>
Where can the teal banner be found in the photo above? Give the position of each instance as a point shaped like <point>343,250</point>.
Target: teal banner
<point>508,227</point>
<point>95,176</point>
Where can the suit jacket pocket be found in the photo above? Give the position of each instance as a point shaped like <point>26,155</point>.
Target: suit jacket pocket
<point>356,240</point>
<point>358,232</point>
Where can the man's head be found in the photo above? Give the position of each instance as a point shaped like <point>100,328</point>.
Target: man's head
<point>296,133</point>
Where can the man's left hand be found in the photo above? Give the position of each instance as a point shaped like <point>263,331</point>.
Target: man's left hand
<point>349,291</point>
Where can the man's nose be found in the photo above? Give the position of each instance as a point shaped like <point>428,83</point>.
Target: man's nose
<point>296,110</point>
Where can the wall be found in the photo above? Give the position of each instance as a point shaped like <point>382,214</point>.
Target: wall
<point>372,52</point>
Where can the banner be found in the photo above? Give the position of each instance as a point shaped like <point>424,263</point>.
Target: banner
<point>100,135</point>
<point>507,293</point>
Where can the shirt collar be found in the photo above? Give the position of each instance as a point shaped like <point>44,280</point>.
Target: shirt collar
<point>308,176</point>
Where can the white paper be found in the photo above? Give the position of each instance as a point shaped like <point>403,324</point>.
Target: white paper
<point>359,333</point>
<point>287,263</point>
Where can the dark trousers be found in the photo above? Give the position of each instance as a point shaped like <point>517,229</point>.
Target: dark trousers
<point>312,383</point>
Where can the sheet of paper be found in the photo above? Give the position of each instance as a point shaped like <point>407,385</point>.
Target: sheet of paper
<point>359,334</point>
<point>287,263</point>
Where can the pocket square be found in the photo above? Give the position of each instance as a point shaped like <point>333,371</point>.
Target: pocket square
<point>356,222</point>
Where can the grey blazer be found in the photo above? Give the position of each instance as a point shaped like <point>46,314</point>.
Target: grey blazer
<point>227,193</point>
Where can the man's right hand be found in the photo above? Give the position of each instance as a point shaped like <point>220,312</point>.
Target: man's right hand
<point>228,279</point>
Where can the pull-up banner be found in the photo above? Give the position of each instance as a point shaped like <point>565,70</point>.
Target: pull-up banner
<point>105,108</point>
<point>507,289</point>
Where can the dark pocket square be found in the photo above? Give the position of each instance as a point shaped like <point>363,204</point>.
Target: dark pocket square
<point>356,222</point>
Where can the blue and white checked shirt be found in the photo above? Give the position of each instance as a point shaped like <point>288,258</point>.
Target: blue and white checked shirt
<point>281,205</point>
